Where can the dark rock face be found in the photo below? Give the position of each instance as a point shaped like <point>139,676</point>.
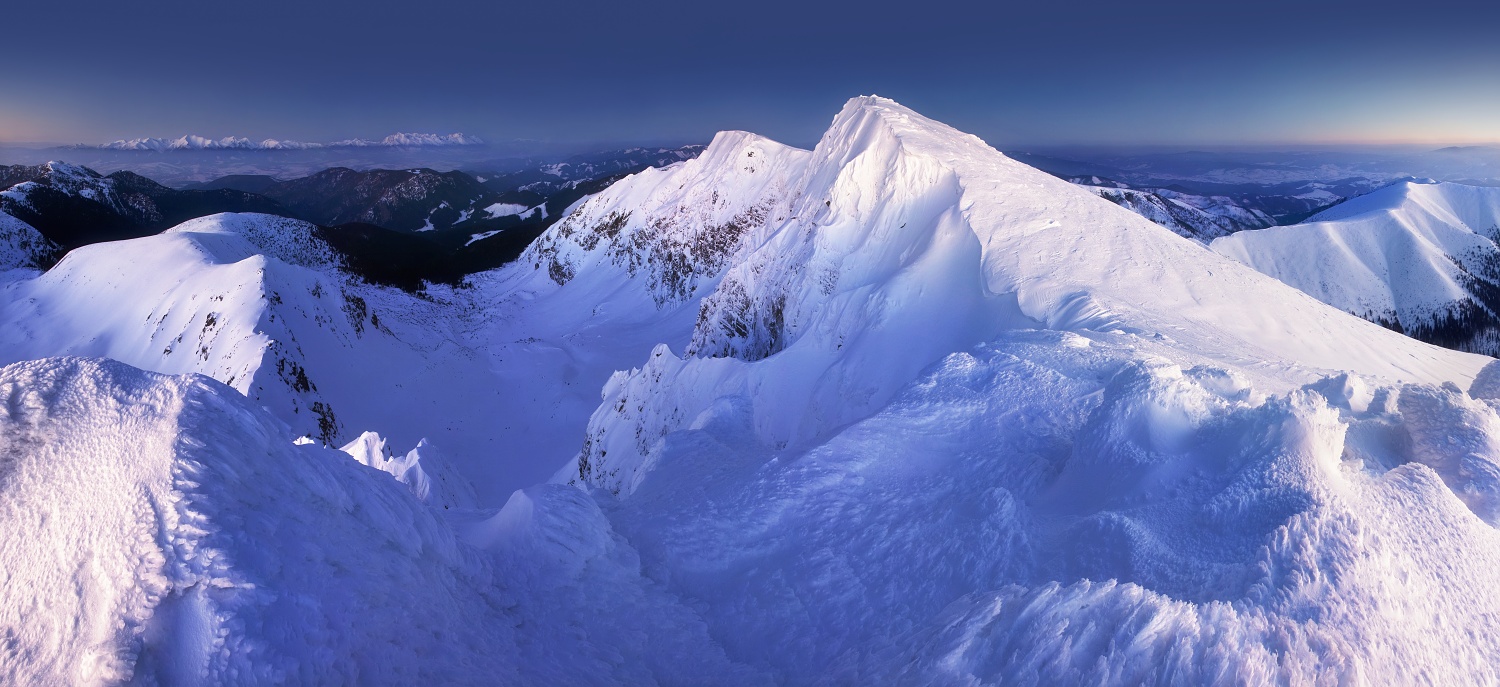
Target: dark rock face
<point>404,200</point>
<point>75,206</point>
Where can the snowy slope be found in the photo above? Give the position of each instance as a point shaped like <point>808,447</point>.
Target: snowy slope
<point>1418,257</point>
<point>948,419</point>
<point>261,304</point>
<point>903,241</point>
<point>643,252</point>
<point>162,530</point>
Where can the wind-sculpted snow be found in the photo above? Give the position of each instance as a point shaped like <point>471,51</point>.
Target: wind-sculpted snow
<point>162,530</point>
<point>1419,258</point>
<point>955,421</point>
<point>424,470</point>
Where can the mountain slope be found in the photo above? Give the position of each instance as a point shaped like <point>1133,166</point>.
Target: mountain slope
<point>163,530</point>
<point>265,305</point>
<point>22,246</point>
<point>879,241</point>
<point>1419,258</point>
<point>407,200</point>
<point>947,418</point>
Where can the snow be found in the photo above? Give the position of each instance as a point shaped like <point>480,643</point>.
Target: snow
<point>260,304</point>
<point>902,241</point>
<point>505,210</point>
<point>895,410</point>
<point>474,238</point>
<point>163,530</point>
<point>194,142</point>
<point>1196,217</point>
<point>1406,253</point>
<point>423,470</point>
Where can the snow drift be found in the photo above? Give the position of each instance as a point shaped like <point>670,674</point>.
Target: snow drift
<point>162,530</point>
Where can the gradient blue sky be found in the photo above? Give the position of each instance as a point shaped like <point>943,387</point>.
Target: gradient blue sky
<point>1017,74</point>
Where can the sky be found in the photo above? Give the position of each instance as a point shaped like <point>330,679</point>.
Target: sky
<point>575,71</point>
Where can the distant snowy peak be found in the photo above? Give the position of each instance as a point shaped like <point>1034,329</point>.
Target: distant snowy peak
<point>415,140</point>
<point>1416,257</point>
<point>397,140</point>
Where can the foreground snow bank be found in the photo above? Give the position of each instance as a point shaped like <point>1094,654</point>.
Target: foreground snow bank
<point>1054,508</point>
<point>166,530</point>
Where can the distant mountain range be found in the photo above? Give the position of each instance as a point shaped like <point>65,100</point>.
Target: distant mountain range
<point>394,226</point>
<point>397,140</point>
<point>74,206</point>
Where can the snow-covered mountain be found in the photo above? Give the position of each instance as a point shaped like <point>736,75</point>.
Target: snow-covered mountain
<point>1192,216</point>
<point>1417,257</point>
<point>192,142</point>
<point>895,410</point>
<point>926,370</point>
<point>266,306</point>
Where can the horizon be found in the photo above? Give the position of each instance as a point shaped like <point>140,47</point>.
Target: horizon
<point>586,146</point>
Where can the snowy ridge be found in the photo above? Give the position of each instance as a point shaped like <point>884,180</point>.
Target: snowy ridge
<point>259,303</point>
<point>1418,257</point>
<point>904,240</point>
<point>954,420</point>
<point>675,226</point>
<point>67,179</point>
